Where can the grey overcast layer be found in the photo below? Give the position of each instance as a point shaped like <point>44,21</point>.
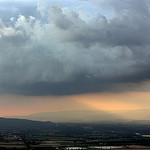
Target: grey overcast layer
<point>50,49</point>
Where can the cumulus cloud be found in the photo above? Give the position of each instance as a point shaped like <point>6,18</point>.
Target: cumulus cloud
<point>58,50</point>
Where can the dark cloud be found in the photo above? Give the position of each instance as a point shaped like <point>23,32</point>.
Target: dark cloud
<point>54,50</point>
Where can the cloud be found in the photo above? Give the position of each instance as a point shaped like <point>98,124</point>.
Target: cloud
<point>59,50</point>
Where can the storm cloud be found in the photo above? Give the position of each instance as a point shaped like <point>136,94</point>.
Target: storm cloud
<point>53,49</point>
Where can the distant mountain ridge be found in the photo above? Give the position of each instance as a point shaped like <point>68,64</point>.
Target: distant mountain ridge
<point>72,116</point>
<point>89,115</point>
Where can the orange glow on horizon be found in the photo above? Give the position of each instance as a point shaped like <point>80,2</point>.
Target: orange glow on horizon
<point>107,101</point>
<point>15,105</point>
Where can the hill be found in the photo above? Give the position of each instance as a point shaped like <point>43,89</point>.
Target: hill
<point>22,124</point>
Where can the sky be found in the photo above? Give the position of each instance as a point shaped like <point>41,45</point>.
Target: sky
<point>74,54</point>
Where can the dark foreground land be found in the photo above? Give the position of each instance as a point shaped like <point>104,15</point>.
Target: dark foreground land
<point>34,135</point>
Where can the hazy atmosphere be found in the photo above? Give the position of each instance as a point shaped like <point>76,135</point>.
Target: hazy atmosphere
<point>63,55</point>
